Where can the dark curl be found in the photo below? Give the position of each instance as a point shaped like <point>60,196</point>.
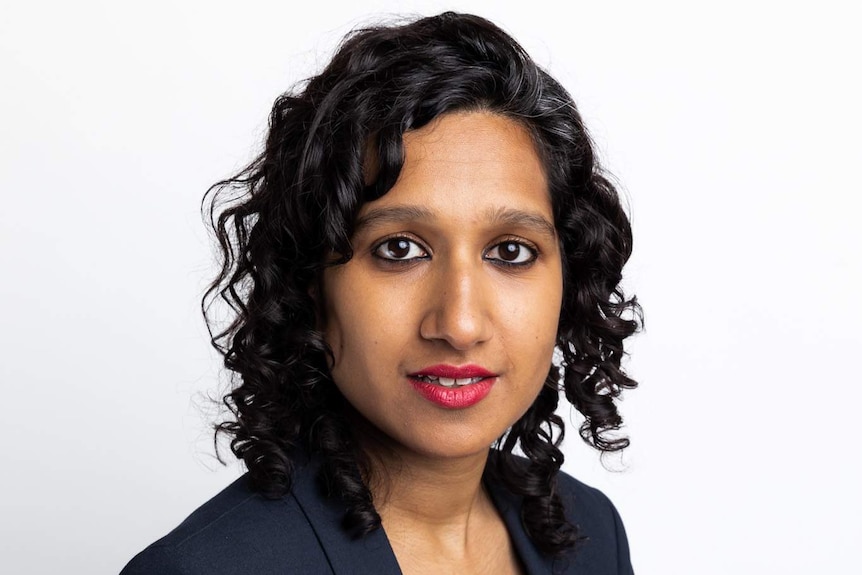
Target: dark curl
<point>279,219</point>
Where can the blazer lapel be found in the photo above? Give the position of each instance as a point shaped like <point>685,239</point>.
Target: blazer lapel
<point>509,507</point>
<point>369,554</point>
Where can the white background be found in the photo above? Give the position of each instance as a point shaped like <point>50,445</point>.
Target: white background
<point>734,129</point>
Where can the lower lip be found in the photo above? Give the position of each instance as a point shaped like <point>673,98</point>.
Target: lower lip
<point>454,397</point>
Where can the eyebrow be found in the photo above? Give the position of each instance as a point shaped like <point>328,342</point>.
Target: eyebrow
<point>393,214</point>
<point>497,216</point>
<point>520,218</point>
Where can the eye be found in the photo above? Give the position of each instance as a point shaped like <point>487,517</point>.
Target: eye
<point>512,253</point>
<point>399,249</point>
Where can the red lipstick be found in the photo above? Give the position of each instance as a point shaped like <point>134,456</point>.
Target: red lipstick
<point>453,387</point>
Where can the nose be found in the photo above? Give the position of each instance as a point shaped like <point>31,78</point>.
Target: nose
<point>459,305</point>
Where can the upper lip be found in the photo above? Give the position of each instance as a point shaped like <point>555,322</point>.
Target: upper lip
<point>454,371</point>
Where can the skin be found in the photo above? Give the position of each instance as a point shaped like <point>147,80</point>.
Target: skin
<point>429,284</point>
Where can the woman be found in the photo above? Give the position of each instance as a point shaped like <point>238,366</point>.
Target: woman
<point>425,227</point>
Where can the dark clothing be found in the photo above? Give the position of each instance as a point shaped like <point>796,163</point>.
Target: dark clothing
<point>240,532</point>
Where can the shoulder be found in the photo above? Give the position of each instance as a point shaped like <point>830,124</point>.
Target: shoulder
<point>586,505</point>
<point>237,531</point>
<point>598,522</point>
<point>603,548</point>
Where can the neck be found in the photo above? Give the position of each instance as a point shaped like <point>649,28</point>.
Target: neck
<point>431,492</point>
<point>435,511</point>
<point>438,500</point>
<point>411,487</point>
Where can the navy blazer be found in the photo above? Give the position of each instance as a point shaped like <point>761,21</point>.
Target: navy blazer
<point>241,532</point>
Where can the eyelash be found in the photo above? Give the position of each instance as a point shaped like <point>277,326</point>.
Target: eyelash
<point>533,251</point>
<point>395,261</point>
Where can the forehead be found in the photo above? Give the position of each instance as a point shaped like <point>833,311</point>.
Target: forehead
<point>469,163</point>
<point>467,140</point>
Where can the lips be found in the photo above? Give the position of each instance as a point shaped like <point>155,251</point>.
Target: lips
<point>453,387</point>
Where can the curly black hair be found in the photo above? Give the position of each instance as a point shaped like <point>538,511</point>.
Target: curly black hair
<point>279,220</point>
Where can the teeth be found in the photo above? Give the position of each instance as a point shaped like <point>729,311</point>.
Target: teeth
<point>449,381</point>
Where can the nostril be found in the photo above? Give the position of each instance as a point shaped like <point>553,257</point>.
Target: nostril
<point>458,318</point>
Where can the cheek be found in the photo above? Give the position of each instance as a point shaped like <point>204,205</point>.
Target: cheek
<point>530,335</point>
<point>339,334</point>
<point>540,303</point>
<point>337,320</point>
<point>360,320</point>
<point>542,314</point>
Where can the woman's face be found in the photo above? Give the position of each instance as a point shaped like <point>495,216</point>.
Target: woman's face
<point>443,323</point>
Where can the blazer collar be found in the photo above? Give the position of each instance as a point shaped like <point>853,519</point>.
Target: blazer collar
<point>509,506</point>
<point>373,553</point>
